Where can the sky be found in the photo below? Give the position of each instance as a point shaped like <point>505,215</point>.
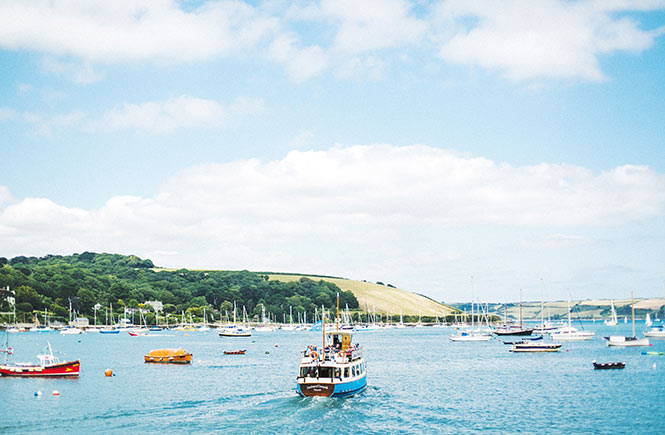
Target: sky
<point>457,149</point>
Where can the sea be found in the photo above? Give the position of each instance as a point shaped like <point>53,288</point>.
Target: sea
<point>419,382</point>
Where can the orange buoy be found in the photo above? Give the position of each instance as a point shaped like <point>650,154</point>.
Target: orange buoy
<point>108,373</point>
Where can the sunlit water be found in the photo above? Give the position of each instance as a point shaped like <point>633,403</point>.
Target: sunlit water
<point>419,382</point>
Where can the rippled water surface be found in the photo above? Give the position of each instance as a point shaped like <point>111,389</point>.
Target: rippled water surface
<point>419,382</point>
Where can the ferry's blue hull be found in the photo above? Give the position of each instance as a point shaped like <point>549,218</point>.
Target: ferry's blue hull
<point>344,389</point>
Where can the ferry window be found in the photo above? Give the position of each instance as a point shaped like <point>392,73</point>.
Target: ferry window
<point>346,372</point>
<point>353,371</point>
<point>325,372</point>
<point>338,372</point>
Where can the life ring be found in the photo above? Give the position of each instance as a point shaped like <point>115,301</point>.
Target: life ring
<point>10,350</point>
<point>314,355</point>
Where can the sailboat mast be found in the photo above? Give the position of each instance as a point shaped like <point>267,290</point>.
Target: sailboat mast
<point>542,306</point>
<point>632,309</point>
<point>338,311</point>
<point>323,335</point>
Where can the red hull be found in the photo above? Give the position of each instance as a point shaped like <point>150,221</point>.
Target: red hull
<point>66,369</point>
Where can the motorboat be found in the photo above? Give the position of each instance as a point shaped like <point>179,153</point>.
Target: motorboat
<point>49,366</point>
<point>234,331</point>
<point>535,346</point>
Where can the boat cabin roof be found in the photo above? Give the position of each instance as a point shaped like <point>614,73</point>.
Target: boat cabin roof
<point>337,332</point>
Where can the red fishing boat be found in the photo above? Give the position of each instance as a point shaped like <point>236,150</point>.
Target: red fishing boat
<point>49,365</point>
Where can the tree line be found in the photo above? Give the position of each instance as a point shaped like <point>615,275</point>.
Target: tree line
<point>84,280</point>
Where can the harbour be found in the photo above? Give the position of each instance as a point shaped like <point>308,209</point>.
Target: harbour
<point>418,381</point>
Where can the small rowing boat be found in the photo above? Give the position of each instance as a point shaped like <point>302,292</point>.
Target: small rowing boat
<point>235,352</point>
<point>608,365</point>
<point>168,356</point>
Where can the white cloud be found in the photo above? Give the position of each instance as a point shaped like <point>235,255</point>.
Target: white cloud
<point>125,30</point>
<point>165,116</point>
<point>373,24</point>
<point>550,38</point>
<point>5,196</point>
<point>82,74</point>
<point>7,114</point>
<point>46,126</point>
<point>359,211</point>
<point>300,63</point>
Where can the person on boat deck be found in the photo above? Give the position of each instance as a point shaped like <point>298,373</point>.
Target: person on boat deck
<point>336,343</point>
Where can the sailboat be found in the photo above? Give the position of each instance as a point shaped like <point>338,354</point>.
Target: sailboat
<point>569,333</point>
<point>656,331</point>
<point>108,329</point>
<point>512,329</point>
<point>290,326</point>
<point>235,330</point>
<point>39,328</point>
<point>620,340</point>
<point>613,321</point>
<point>264,326</point>
<point>204,327</point>
<point>473,334</point>
<point>533,345</point>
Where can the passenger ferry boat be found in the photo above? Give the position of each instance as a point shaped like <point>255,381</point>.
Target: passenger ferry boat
<point>335,370</point>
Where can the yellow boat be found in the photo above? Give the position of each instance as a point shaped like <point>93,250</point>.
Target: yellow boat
<point>168,356</point>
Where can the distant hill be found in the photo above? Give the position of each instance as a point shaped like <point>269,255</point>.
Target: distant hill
<point>382,298</point>
<point>587,309</point>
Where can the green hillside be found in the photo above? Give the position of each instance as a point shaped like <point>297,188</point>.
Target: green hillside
<point>382,298</point>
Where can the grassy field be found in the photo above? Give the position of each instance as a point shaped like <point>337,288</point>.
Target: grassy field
<point>597,309</point>
<point>381,298</point>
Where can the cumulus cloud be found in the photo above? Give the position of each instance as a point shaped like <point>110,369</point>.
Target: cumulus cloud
<point>125,30</point>
<point>165,116</point>
<point>551,38</point>
<point>300,63</point>
<point>82,74</point>
<point>372,24</point>
<point>346,210</point>
<point>522,39</point>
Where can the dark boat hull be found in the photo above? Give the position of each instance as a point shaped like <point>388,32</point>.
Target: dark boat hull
<point>328,389</point>
<point>519,332</point>
<point>609,365</point>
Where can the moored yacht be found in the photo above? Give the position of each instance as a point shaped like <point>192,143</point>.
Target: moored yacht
<point>620,340</point>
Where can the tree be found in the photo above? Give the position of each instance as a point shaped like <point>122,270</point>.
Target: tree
<point>28,295</point>
<point>87,300</point>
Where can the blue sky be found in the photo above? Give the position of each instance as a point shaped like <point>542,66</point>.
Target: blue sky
<point>416,143</point>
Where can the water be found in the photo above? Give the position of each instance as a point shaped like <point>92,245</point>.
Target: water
<point>419,382</point>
